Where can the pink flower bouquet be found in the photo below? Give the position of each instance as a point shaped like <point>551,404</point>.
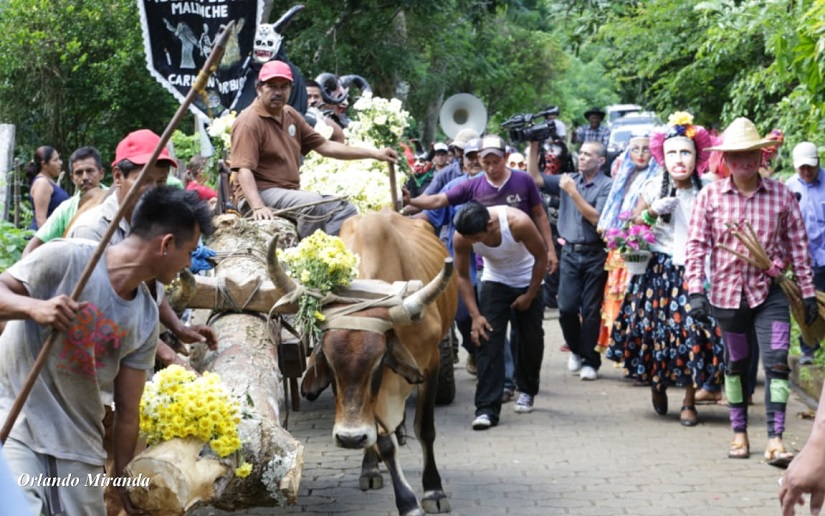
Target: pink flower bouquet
<point>630,237</point>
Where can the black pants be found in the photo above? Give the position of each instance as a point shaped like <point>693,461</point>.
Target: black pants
<point>495,301</point>
<point>581,291</point>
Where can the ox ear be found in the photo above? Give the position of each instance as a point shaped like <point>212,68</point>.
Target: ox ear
<point>317,377</point>
<point>400,360</point>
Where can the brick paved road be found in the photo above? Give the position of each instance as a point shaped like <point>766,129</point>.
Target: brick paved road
<point>588,448</point>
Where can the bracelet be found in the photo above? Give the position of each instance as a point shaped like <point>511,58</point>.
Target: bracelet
<point>261,208</point>
<point>648,218</point>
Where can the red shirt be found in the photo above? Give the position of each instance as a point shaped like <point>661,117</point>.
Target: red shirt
<point>204,192</point>
<point>773,213</point>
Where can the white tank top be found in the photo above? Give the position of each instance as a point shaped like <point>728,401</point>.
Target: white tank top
<point>509,263</point>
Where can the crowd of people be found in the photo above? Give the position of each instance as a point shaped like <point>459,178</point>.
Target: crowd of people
<point>527,232</point>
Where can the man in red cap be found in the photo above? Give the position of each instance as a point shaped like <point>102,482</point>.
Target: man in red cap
<point>269,139</point>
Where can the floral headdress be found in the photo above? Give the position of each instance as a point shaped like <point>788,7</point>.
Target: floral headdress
<point>680,124</point>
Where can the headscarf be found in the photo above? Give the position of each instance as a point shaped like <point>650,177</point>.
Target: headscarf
<point>616,201</point>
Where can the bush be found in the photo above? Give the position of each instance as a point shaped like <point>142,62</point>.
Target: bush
<point>12,242</point>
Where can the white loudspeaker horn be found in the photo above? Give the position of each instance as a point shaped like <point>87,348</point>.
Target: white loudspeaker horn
<point>462,111</point>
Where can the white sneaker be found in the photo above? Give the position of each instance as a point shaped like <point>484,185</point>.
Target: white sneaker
<point>524,403</point>
<point>482,422</point>
<point>588,373</point>
<point>574,363</point>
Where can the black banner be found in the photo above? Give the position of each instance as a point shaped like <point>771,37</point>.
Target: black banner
<point>178,37</point>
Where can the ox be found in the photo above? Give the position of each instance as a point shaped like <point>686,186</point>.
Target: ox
<point>377,356</point>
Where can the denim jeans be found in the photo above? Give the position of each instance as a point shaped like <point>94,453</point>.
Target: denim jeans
<point>769,325</point>
<point>581,290</point>
<point>495,300</point>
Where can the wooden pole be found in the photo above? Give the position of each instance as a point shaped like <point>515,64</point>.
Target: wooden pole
<point>393,188</point>
<point>134,192</point>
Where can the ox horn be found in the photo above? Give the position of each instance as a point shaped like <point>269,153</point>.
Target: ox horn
<point>179,297</point>
<point>276,272</point>
<point>413,306</point>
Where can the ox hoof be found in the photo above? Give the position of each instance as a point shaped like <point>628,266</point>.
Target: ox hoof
<point>436,503</point>
<point>372,480</point>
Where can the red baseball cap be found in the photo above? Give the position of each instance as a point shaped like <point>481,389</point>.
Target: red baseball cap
<point>273,69</point>
<point>138,147</point>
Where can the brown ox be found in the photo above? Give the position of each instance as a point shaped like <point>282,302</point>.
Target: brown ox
<point>376,369</point>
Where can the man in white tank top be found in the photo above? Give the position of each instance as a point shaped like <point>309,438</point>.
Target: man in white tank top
<point>514,263</point>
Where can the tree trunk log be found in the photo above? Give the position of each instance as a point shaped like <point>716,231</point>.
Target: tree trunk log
<point>247,362</point>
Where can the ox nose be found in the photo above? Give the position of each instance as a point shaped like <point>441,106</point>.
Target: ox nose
<point>356,441</point>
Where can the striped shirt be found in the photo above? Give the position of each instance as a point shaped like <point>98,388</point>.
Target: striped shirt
<point>773,213</point>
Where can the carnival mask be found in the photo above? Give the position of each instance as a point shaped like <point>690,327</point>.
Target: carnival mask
<point>743,165</point>
<point>267,43</point>
<point>680,157</point>
<point>640,152</point>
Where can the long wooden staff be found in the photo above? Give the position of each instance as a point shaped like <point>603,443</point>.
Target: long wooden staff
<point>393,189</point>
<point>196,89</point>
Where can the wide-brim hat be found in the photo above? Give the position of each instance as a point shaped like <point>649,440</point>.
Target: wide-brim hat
<point>594,111</point>
<point>741,136</point>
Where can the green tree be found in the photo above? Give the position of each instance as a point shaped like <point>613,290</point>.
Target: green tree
<point>72,73</point>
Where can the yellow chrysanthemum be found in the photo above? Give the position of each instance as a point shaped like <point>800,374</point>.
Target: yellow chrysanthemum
<point>178,403</point>
<point>243,470</point>
<point>680,118</point>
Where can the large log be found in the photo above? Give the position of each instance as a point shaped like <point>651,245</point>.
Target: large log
<point>247,362</point>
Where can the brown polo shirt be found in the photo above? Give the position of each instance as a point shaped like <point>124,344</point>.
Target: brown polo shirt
<point>272,147</point>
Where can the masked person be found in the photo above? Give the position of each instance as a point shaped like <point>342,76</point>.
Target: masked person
<point>744,299</point>
<point>653,336</point>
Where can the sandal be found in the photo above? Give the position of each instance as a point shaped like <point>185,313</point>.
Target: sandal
<point>693,417</point>
<point>659,399</point>
<point>739,450</point>
<point>777,456</point>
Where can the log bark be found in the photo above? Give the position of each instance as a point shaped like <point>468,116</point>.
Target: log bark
<point>247,362</point>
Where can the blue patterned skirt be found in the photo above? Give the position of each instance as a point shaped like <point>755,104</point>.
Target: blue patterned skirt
<point>655,338</point>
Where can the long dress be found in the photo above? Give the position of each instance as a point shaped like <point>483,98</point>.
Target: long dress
<point>654,337</point>
<point>624,193</point>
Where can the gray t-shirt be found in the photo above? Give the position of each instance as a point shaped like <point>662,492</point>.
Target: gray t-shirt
<point>93,223</point>
<point>63,416</point>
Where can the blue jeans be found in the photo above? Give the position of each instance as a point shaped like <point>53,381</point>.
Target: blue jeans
<point>495,300</point>
<point>769,325</point>
<point>819,283</point>
<point>581,290</point>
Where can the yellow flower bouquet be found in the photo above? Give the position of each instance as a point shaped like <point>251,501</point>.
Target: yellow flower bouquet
<point>321,263</point>
<point>178,404</point>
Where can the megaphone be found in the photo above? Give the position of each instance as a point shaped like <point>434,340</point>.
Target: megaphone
<point>462,111</point>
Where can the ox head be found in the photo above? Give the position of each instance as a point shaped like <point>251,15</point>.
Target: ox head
<point>354,353</point>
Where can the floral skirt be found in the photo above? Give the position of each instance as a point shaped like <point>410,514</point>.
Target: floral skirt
<point>655,338</point>
<point>614,291</point>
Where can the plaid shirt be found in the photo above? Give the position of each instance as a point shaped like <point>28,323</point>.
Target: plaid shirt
<point>587,134</point>
<point>774,215</point>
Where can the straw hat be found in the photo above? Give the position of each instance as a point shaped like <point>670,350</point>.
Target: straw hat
<point>741,135</point>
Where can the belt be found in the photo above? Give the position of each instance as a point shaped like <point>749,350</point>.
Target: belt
<point>586,248</point>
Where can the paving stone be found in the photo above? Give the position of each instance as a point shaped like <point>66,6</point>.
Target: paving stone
<point>589,448</point>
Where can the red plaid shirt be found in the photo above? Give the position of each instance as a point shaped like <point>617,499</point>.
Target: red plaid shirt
<point>774,215</point>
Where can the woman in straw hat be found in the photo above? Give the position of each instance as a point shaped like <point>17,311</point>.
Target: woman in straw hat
<point>654,336</point>
<point>745,300</point>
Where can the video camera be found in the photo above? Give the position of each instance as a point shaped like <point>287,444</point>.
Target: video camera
<point>523,128</point>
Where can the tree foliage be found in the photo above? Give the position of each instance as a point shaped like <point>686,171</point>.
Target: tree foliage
<point>425,51</point>
<point>721,59</point>
<point>72,73</point>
